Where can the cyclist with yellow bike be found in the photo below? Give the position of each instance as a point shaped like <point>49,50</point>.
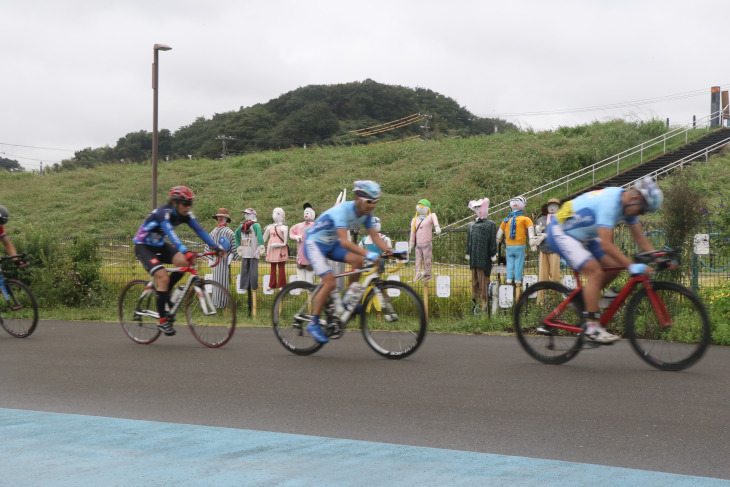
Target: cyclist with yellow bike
<point>328,239</point>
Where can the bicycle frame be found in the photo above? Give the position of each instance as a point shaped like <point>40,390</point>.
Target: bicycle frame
<point>659,309</point>
<point>205,300</point>
<point>371,275</point>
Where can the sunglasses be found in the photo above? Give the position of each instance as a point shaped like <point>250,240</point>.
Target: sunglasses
<point>185,203</point>
<point>371,201</point>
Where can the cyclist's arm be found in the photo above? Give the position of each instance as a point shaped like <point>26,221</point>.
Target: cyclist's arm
<point>170,232</point>
<point>378,241</point>
<point>607,245</point>
<point>204,236</point>
<point>8,244</point>
<point>638,233</point>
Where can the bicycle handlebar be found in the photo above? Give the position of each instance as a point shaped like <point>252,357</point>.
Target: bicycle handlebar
<point>217,258</point>
<point>653,255</point>
<point>18,258</point>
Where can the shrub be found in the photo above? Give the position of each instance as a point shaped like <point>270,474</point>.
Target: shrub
<point>62,272</point>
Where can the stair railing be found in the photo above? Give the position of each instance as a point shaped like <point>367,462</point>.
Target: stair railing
<point>615,159</point>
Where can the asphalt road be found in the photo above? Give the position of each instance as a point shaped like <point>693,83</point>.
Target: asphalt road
<point>471,393</point>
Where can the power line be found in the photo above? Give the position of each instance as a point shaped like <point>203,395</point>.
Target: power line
<point>36,147</point>
<point>645,101</point>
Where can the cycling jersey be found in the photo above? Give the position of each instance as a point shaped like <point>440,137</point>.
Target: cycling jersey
<point>2,231</point>
<point>582,217</point>
<point>162,221</point>
<point>342,216</point>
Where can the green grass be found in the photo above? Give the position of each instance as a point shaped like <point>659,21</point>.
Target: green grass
<point>113,199</point>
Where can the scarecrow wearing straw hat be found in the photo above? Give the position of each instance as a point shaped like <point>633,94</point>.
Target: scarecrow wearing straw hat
<point>224,237</point>
<point>549,261</point>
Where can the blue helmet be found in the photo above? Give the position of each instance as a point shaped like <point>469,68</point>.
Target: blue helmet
<point>651,193</point>
<point>367,189</point>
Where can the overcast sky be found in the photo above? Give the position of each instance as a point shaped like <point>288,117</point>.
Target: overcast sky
<point>76,74</point>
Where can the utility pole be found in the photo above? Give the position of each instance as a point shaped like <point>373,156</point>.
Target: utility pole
<point>425,127</point>
<point>224,150</point>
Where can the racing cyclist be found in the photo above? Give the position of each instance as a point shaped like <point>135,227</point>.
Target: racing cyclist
<point>328,239</point>
<point>582,233</point>
<point>7,244</point>
<point>153,251</point>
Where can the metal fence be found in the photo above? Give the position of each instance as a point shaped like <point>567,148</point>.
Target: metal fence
<point>449,292</point>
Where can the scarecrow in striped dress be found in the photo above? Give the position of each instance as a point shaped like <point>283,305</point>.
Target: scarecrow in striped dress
<point>224,237</point>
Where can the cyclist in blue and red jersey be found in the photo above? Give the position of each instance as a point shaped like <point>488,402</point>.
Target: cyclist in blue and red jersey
<point>153,251</point>
<point>328,239</point>
<point>7,244</point>
<point>582,233</point>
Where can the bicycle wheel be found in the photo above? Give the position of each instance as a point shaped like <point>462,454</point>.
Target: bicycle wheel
<point>673,347</point>
<point>211,320</point>
<point>138,312</point>
<point>548,344</point>
<point>19,312</point>
<point>290,314</point>
<point>393,320</point>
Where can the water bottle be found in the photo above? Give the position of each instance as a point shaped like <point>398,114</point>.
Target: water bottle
<point>351,295</point>
<point>176,294</point>
<point>337,301</point>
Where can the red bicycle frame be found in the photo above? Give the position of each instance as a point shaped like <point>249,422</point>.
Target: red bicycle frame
<point>660,310</point>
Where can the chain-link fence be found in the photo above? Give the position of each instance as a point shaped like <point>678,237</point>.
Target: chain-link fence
<point>449,291</point>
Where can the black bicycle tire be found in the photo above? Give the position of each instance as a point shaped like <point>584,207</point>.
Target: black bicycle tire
<point>572,351</point>
<point>420,336</point>
<point>189,300</point>
<point>646,356</point>
<point>276,316</point>
<point>29,331</point>
<point>120,307</point>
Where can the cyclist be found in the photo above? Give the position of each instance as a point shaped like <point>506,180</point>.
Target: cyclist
<point>582,233</point>
<point>152,250</point>
<point>328,238</point>
<point>9,247</point>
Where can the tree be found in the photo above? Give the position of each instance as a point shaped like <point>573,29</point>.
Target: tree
<point>10,165</point>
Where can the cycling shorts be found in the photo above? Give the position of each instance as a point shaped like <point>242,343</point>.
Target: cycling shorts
<point>154,258</point>
<point>317,255</point>
<point>575,252</point>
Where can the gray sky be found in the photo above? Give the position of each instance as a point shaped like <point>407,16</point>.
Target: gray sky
<point>76,74</point>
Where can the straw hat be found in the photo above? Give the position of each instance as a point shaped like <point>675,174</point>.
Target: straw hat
<point>223,212</point>
<point>551,200</point>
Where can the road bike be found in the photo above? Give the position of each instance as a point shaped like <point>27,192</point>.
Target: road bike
<point>18,309</point>
<point>392,316</point>
<point>666,323</point>
<point>209,308</point>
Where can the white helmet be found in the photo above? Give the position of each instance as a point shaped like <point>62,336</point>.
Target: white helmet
<point>651,193</point>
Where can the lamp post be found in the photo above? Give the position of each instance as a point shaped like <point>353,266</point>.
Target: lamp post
<point>158,47</point>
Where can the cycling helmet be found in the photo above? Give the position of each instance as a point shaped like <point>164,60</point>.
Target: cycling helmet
<point>4,215</point>
<point>182,193</point>
<point>367,189</point>
<point>651,193</point>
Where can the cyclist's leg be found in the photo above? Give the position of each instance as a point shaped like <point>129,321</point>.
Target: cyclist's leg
<point>317,256</point>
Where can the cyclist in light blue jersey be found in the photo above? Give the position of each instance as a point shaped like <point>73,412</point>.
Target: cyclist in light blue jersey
<point>582,233</point>
<point>328,239</point>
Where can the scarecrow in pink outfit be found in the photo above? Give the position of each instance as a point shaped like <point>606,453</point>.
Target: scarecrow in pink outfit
<point>422,227</point>
<point>297,233</point>
<point>277,251</point>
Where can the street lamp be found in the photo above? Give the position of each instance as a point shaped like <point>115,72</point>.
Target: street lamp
<point>158,47</point>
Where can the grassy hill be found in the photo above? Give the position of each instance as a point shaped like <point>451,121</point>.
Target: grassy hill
<point>113,199</point>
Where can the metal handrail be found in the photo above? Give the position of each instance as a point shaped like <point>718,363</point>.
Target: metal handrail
<point>615,159</point>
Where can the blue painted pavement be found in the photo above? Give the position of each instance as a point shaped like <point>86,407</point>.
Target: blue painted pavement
<point>55,450</point>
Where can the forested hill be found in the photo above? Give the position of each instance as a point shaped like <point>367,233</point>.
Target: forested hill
<point>351,113</point>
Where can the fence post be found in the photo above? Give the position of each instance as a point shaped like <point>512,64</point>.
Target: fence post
<point>695,272</point>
